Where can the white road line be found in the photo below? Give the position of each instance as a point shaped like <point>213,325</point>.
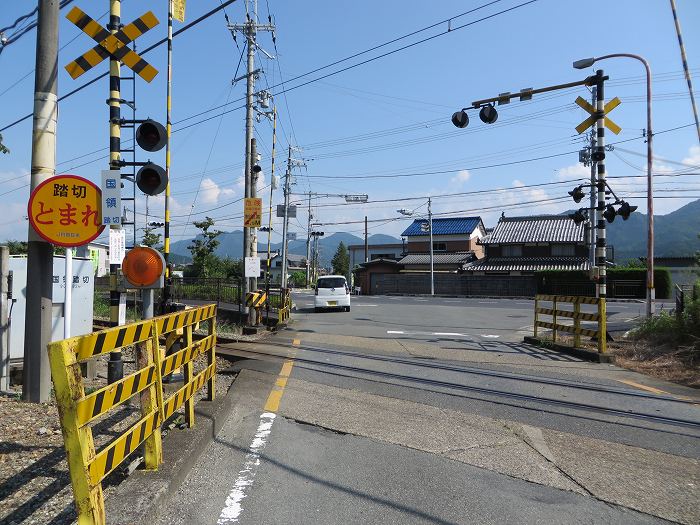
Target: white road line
<point>449,333</point>
<point>490,336</point>
<point>355,304</point>
<point>233,508</point>
<point>394,332</point>
<point>422,300</point>
<point>487,302</point>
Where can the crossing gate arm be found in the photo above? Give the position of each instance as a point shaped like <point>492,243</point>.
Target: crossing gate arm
<point>77,410</point>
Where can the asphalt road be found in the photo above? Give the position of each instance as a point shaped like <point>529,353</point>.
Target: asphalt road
<point>431,410</point>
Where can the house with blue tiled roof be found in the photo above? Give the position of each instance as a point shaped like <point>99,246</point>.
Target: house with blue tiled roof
<point>451,235</point>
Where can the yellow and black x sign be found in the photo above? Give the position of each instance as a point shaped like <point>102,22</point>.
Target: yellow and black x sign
<point>612,104</point>
<point>114,45</point>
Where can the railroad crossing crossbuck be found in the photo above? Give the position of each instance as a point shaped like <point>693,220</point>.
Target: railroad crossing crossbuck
<point>114,45</point>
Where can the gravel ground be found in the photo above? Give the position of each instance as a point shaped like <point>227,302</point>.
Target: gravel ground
<point>34,481</point>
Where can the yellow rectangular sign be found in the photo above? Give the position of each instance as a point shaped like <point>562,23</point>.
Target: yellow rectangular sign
<point>179,10</point>
<point>252,212</point>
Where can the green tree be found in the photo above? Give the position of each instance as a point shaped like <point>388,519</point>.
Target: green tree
<point>202,248</point>
<point>16,247</point>
<point>151,239</point>
<point>3,148</point>
<point>341,260</point>
<point>298,278</point>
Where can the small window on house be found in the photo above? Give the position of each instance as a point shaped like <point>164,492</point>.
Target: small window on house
<point>439,247</point>
<point>561,250</point>
<point>514,250</point>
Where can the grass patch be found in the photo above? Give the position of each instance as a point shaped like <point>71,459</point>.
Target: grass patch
<point>666,346</point>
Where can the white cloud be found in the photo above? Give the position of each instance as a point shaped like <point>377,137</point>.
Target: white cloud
<point>693,158</point>
<point>210,192</point>
<point>573,172</point>
<point>461,177</point>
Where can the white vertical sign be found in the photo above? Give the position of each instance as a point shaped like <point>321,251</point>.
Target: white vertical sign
<point>111,198</point>
<point>252,266</point>
<point>117,245</point>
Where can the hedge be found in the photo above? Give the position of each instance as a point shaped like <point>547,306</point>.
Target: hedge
<point>662,278</point>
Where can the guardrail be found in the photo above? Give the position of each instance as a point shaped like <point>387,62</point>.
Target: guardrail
<point>575,314</point>
<point>77,409</point>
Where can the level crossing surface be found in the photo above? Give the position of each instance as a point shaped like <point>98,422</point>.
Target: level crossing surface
<point>406,414</point>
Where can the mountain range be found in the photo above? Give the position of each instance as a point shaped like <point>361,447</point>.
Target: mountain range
<point>675,234</point>
<point>231,245</point>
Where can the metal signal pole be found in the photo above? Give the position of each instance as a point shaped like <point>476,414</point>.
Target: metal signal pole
<point>115,365</point>
<point>308,246</point>
<point>591,212</point>
<point>37,373</point>
<point>601,256</point>
<point>168,125</point>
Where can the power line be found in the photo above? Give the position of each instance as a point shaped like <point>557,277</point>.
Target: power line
<point>148,49</point>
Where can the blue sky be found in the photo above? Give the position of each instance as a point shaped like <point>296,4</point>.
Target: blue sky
<point>382,119</point>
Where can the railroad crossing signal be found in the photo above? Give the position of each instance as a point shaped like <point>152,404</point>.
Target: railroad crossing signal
<point>590,121</point>
<point>114,45</point>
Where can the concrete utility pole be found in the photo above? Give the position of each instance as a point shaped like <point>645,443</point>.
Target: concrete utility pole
<point>285,223</point>
<point>250,30</point>
<point>253,235</point>
<point>366,242</point>
<point>272,189</point>
<point>37,334</point>
<point>430,228</point>
<point>115,365</point>
<point>308,245</point>
<point>4,318</point>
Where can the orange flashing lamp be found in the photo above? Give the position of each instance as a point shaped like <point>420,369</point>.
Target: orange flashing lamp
<point>144,267</point>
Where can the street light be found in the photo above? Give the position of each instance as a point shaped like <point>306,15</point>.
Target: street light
<point>409,213</point>
<point>586,63</point>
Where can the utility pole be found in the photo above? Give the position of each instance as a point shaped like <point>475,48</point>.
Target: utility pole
<point>37,334</point>
<point>601,256</point>
<point>272,188</point>
<point>250,30</point>
<point>308,245</point>
<point>430,228</point>
<point>115,365</point>
<point>253,235</point>
<point>285,223</point>
<point>366,242</point>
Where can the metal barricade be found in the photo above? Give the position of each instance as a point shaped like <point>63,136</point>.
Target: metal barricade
<point>575,314</point>
<point>77,409</point>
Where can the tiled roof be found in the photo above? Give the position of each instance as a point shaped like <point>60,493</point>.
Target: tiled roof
<point>527,264</point>
<point>538,228</point>
<point>438,258</point>
<point>444,226</point>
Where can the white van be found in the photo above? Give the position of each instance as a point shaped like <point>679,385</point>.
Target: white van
<point>332,291</point>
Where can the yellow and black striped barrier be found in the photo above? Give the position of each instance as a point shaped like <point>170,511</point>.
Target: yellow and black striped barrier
<point>255,299</point>
<point>77,409</point>
<point>556,313</point>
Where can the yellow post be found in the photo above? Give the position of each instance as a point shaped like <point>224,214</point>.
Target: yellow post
<point>80,449</point>
<point>577,322</point>
<point>602,326</point>
<point>188,372</point>
<point>148,353</point>
<point>534,330</point>
<point>554,319</point>
<point>211,359</point>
